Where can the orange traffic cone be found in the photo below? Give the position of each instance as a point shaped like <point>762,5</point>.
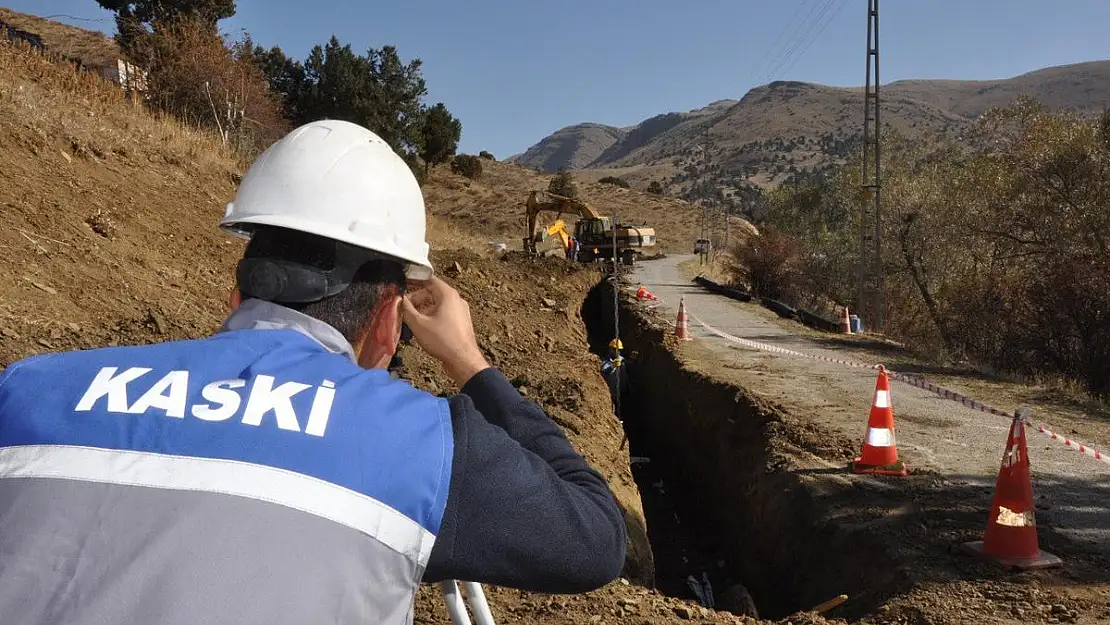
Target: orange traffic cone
<point>880,454</point>
<point>681,327</point>
<point>1011,536</point>
<point>845,321</point>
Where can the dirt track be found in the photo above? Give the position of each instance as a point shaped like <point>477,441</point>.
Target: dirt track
<point>953,452</point>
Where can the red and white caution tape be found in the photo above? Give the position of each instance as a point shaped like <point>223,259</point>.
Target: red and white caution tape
<point>905,378</point>
<point>949,394</point>
<point>1076,445</point>
<point>914,381</point>
<point>777,350</point>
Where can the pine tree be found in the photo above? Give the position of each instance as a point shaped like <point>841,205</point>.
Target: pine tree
<point>440,133</point>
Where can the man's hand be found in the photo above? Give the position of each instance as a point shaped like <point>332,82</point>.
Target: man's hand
<point>440,322</point>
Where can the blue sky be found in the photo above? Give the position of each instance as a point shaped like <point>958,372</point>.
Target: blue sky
<point>515,71</point>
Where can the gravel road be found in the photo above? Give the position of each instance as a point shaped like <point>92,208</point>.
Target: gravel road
<point>965,446</point>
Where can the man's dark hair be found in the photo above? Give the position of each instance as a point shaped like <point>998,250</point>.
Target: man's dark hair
<point>347,311</point>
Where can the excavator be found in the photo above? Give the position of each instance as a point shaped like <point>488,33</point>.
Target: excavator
<point>555,236</point>
<point>594,232</point>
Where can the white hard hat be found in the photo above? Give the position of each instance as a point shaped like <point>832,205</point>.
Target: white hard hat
<point>337,180</point>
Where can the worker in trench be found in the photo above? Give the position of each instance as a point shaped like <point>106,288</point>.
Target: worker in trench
<point>275,472</point>
<point>615,371</point>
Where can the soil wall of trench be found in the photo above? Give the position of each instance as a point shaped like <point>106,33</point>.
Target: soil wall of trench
<point>734,479</point>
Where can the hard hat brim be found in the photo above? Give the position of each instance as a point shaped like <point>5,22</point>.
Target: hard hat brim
<point>417,268</point>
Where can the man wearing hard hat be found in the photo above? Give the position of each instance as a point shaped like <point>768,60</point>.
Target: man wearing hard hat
<point>275,472</point>
<point>613,370</point>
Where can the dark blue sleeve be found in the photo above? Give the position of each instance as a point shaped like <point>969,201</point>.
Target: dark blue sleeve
<point>524,509</point>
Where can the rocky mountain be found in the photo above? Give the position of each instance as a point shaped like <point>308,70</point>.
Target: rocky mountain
<point>573,147</point>
<point>582,146</point>
<point>787,127</point>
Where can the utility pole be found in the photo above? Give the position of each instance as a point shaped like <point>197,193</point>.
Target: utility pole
<point>702,179</point>
<point>870,243</point>
<point>728,205</point>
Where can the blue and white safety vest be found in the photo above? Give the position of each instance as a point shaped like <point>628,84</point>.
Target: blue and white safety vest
<point>258,476</point>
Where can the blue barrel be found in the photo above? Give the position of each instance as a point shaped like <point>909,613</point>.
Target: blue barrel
<point>855,323</point>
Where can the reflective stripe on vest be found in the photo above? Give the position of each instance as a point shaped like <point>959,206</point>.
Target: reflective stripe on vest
<point>265,415</point>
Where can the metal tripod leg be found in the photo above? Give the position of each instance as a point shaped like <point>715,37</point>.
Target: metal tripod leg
<point>475,596</point>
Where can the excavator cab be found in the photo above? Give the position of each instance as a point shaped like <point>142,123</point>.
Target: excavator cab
<point>592,229</point>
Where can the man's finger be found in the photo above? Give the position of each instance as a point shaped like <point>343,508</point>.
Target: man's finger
<point>422,299</point>
<point>440,289</point>
<point>410,310</point>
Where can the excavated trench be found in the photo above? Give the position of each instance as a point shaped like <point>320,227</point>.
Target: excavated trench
<point>721,500</point>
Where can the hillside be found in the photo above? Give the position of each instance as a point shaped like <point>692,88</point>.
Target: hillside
<point>583,145</point>
<point>785,127</point>
<point>109,210</point>
<point>492,208</point>
<point>89,47</point>
<point>573,147</point>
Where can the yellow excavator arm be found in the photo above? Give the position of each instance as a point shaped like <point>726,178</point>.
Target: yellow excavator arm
<point>555,204</point>
<point>559,229</point>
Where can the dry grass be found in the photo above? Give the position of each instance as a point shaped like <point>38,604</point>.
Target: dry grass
<point>88,46</point>
<point>718,269</point>
<point>42,102</point>
<point>445,234</point>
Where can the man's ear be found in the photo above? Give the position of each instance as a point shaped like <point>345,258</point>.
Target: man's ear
<point>387,325</point>
<point>235,300</point>
<point>376,347</point>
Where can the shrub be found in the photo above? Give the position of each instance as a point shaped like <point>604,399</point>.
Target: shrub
<point>467,165</point>
<point>769,263</point>
<point>563,184</point>
<point>618,182</point>
<point>655,188</point>
<point>995,248</point>
<point>486,155</point>
<point>194,75</point>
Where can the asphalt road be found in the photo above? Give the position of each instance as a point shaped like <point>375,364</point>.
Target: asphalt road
<point>965,446</point>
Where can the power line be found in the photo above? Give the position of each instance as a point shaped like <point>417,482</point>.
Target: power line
<point>802,26</point>
<point>805,39</point>
<point>831,19</point>
<point>767,53</point>
<point>74,17</point>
